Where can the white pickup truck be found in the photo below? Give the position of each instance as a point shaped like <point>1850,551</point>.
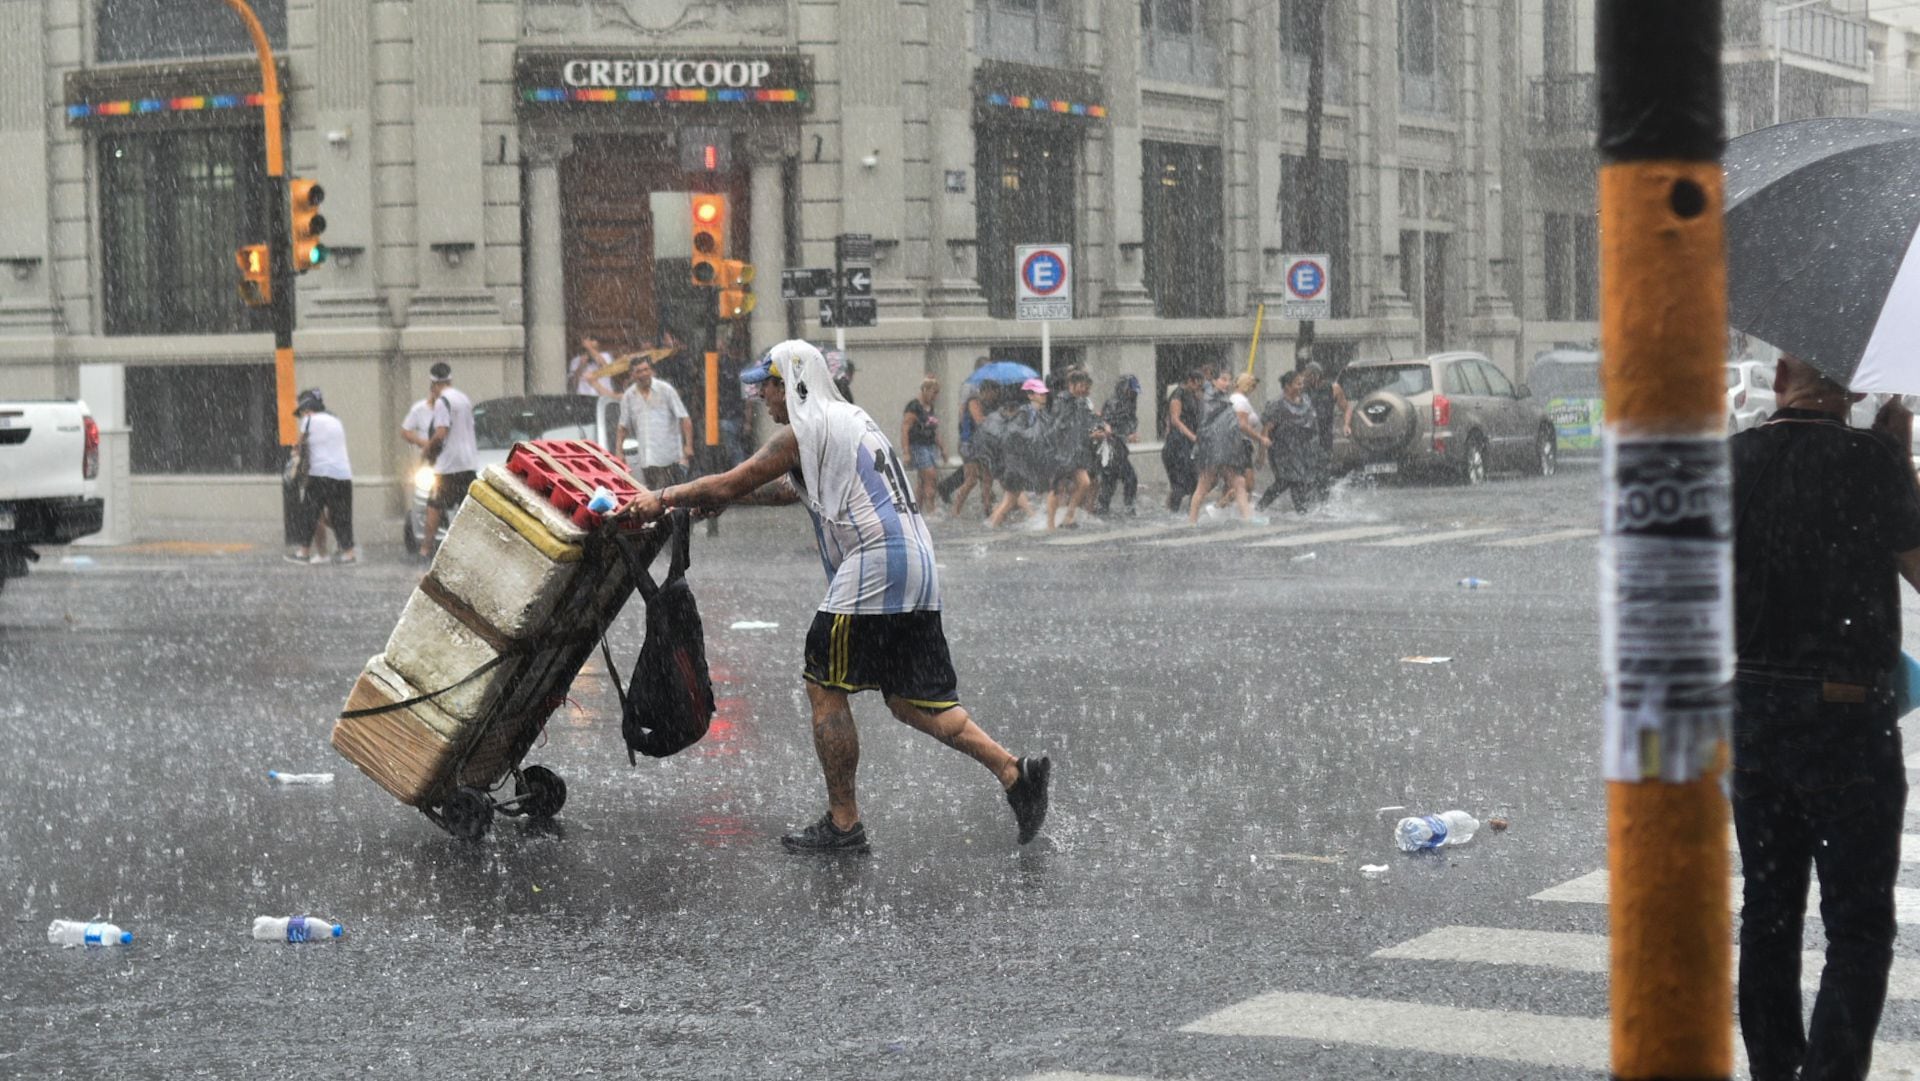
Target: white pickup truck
<point>49,465</point>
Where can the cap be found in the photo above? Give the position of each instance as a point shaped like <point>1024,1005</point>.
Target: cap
<point>768,368</point>
<point>441,372</point>
<point>1035,386</point>
<point>310,399</point>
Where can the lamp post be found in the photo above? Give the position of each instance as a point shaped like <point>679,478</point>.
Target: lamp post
<point>1779,27</point>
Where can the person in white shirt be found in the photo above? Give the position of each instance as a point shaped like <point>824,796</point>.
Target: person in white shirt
<point>879,626</point>
<point>329,483</point>
<point>417,429</point>
<point>651,411</point>
<point>455,451</point>
<point>583,371</point>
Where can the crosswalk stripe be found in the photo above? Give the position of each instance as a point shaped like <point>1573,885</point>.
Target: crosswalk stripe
<point>1591,889</point>
<point>1329,536</point>
<point>1114,536</point>
<point>1232,532</point>
<point>1572,952</point>
<point>1541,538</point>
<point>1431,538</point>
<point>1531,1039</point>
<point>1070,1075</point>
<point>1913,760</point>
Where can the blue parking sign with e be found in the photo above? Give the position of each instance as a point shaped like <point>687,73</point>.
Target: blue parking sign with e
<point>1306,279</point>
<point>1043,272</point>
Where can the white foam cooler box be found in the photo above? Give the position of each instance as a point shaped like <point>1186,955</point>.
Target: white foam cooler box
<point>514,603</point>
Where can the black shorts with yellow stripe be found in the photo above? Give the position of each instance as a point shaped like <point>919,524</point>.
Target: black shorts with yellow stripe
<point>901,655</point>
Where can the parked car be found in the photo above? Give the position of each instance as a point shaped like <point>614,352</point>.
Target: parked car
<point>1750,398</point>
<point>499,423</point>
<point>49,479</point>
<point>1454,414</point>
<point>1567,384</point>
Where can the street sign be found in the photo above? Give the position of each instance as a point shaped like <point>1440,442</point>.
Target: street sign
<point>806,283</point>
<point>1043,281</point>
<point>1308,287</point>
<point>850,304</point>
<point>853,248</point>
<point>848,312</point>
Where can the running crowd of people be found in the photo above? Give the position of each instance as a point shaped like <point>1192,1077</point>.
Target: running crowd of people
<point>1042,437</point>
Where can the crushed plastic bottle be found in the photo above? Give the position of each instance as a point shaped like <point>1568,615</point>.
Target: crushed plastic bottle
<point>77,933</point>
<point>1433,831</point>
<point>299,778</point>
<point>295,929</point>
<point>601,501</point>
<point>1474,583</point>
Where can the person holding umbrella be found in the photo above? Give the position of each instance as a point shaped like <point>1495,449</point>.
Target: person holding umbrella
<point>1822,262</point>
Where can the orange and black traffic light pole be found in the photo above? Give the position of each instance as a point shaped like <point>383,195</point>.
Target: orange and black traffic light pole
<point>280,257</point>
<point>1666,596</point>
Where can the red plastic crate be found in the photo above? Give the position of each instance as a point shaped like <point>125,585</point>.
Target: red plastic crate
<point>566,471</point>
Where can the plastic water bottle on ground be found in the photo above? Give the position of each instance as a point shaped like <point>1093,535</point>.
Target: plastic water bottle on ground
<point>601,501</point>
<point>1433,831</point>
<point>1474,583</point>
<point>77,933</point>
<point>299,778</point>
<point>295,929</point>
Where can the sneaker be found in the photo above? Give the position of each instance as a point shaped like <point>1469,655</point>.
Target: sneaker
<point>348,557</point>
<point>824,836</point>
<point>293,557</point>
<point>1028,796</point>
<point>318,560</point>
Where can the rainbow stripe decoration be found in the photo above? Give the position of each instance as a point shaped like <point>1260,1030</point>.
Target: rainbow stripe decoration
<point>565,94</point>
<point>1047,105</point>
<point>144,106</point>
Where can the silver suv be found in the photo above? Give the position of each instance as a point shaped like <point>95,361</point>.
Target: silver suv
<point>1451,413</point>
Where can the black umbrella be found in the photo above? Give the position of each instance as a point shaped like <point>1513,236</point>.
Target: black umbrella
<point>1821,216</point>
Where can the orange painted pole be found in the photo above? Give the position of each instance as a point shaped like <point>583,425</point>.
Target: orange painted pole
<point>1666,592</point>
<point>713,399</point>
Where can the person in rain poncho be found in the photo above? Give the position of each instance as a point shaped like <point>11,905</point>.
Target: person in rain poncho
<point>1075,429</point>
<point>879,626</point>
<point>1121,413</point>
<point>1024,464</point>
<point>1292,426</point>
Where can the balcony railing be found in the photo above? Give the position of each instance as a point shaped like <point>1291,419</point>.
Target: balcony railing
<point>1180,58</point>
<point>1031,33</point>
<point>1815,33</point>
<point>1563,105</point>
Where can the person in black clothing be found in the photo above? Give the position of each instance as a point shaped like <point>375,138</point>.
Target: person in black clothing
<point>1329,409</point>
<point>1111,459</point>
<point>1176,453</point>
<point>1826,523</point>
<point>1292,424</point>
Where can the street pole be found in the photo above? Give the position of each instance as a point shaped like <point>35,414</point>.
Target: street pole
<point>279,251</point>
<point>1315,13</point>
<point>1666,592</point>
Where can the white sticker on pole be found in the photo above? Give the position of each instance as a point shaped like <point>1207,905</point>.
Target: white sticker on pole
<point>1666,607</point>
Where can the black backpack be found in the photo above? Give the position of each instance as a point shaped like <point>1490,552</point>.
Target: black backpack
<point>669,699</point>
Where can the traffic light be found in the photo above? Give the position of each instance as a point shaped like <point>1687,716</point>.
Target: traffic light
<point>308,224</point>
<point>736,299</point>
<point>256,275</point>
<point>709,238</point>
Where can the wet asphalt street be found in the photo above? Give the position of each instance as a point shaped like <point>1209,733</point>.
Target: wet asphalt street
<point>1227,709</point>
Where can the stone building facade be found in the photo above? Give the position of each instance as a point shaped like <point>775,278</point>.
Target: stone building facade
<point>504,176</point>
